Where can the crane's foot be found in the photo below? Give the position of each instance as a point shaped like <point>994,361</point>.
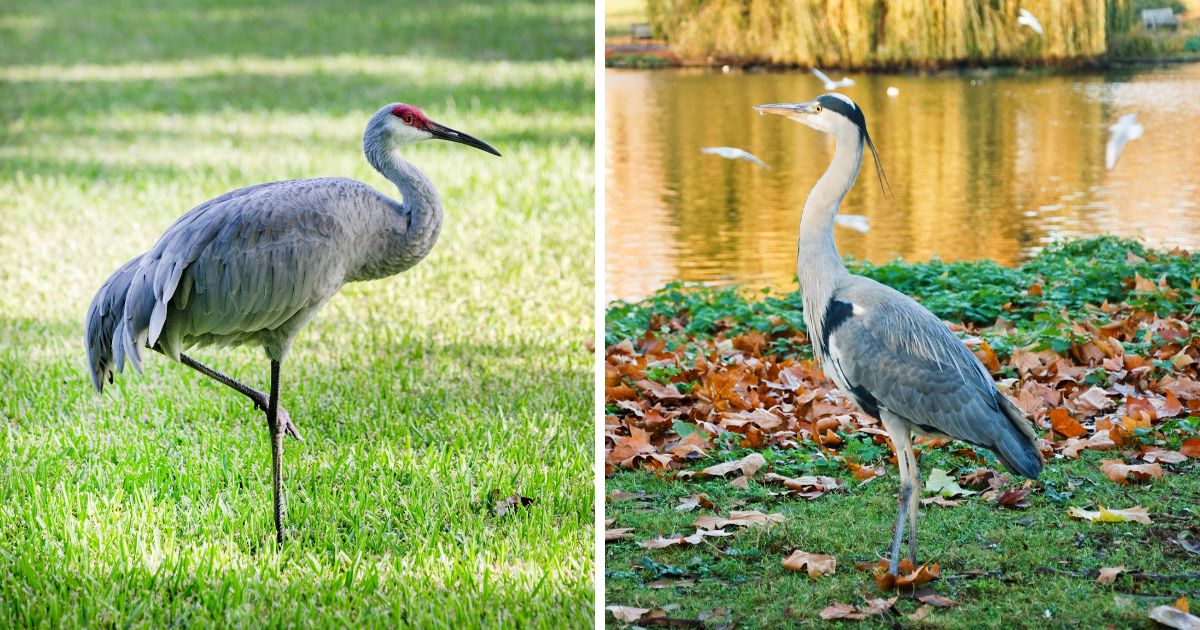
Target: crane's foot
<point>285,419</point>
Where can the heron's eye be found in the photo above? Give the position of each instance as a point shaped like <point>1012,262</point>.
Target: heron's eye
<point>408,119</point>
<point>819,108</point>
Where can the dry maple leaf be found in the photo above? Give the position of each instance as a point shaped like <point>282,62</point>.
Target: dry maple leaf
<point>909,577</point>
<point>1108,575</point>
<point>1134,514</point>
<point>942,501</point>
<point>927,596</point>
<point>840,611</point>
<point>1013,498</point>
<point>815,565</point>
<point>737,518</point>
<point>1122,473</point>
<point>628,614</point>
<point>1191,447</point>
<point>748,466</point>
<point>1172,617</point>
<point>1155,454</point>
<point>620,533</point>
<point>1063,424</point>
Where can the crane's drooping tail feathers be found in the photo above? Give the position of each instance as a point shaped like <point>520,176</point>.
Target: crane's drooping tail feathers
<point>1016,446</point>
<point>105,324</point>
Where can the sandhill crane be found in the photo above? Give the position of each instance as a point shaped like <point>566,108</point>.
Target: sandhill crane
<point>733,153</point>
<point>252,266</point>
<point>897,361</point>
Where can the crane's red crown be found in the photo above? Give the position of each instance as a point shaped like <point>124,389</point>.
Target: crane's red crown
<point>410,116</point>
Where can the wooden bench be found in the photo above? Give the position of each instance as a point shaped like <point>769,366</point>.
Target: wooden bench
<point>1153,18</point>
<point>640,31</point>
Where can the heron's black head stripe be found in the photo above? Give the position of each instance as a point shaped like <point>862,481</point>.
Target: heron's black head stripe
<point>844,106</point>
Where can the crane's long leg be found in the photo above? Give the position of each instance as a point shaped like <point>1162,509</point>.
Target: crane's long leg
<point>258,398</point>
<point>276,451</point>
<point>898,429</point>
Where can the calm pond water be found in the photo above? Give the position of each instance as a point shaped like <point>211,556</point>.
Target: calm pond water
<point>982,165</point>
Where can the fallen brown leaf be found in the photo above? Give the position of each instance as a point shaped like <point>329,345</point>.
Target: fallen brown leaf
<point>628,614</point>
<point>620,533</point>
<point>739,519</point>
<point>910,577</point>
<point>1013,498</point>
<point>1108,575</point>
<point>814,564</point>
<point>510,504</point>
<point>1172,617</point>
<point>1134,514</point>
<point>748,465</point>
<point>1123,473</point>
<point>1063,424</point>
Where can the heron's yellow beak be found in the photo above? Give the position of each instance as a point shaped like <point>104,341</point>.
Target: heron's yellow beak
<point>791,110</point>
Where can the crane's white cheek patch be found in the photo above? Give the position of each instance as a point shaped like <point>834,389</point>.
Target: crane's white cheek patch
<point>857,310</point>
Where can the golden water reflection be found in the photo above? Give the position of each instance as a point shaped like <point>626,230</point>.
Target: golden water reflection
<point>980,166</point>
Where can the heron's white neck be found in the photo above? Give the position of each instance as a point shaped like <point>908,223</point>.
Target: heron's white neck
<point>818,265</point>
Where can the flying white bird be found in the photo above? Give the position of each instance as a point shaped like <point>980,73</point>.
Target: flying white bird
<point>830,84</point>
<point>1032,22</point>
<point>857,222</point>
<point>1126,129</point>
<point>893,91</point>
<point>731,153</point>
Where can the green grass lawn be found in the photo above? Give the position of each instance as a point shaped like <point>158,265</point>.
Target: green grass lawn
<point>418,395</point>
<point>1004,568</point>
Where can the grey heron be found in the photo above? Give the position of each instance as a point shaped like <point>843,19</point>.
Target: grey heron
<point>253,266</point>
<point>733,153</point>
<point>1126,129</point>
<point>893,358</point>
<point>830,84</point>
<point>1030,20</point>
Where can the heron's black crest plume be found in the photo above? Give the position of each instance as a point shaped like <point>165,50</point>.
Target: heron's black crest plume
<point>846,107</point>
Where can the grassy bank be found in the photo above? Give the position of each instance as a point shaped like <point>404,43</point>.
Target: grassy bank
<point>419,396</point>
<point>1096,340</point>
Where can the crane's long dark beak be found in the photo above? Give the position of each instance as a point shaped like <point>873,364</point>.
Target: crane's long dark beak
<point>788,109</point>
<point>442,132</point>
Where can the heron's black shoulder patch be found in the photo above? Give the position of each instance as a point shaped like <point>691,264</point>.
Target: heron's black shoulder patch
<point>836,314</point>
<point>865,400</point>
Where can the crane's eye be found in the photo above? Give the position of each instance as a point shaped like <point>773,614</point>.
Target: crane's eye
<point>408,119</point>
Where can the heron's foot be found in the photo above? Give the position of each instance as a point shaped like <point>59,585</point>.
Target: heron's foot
<point>285,419</point>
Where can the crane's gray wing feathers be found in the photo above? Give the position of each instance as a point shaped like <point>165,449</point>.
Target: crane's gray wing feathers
<point>104,316</point>
<point>243,262</point>
<point>890,352</point>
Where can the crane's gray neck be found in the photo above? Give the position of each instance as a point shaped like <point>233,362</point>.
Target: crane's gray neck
<point>421,212</point>
<point>818,265</point>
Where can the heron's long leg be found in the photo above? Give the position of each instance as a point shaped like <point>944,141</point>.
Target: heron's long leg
<point>914,500</point>
<point>902,441</point>
<point>276,451</point>
<point>258,398</point>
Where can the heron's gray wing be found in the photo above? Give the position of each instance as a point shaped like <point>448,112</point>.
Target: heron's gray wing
<point>892,353</point>
<point>243,262</point>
